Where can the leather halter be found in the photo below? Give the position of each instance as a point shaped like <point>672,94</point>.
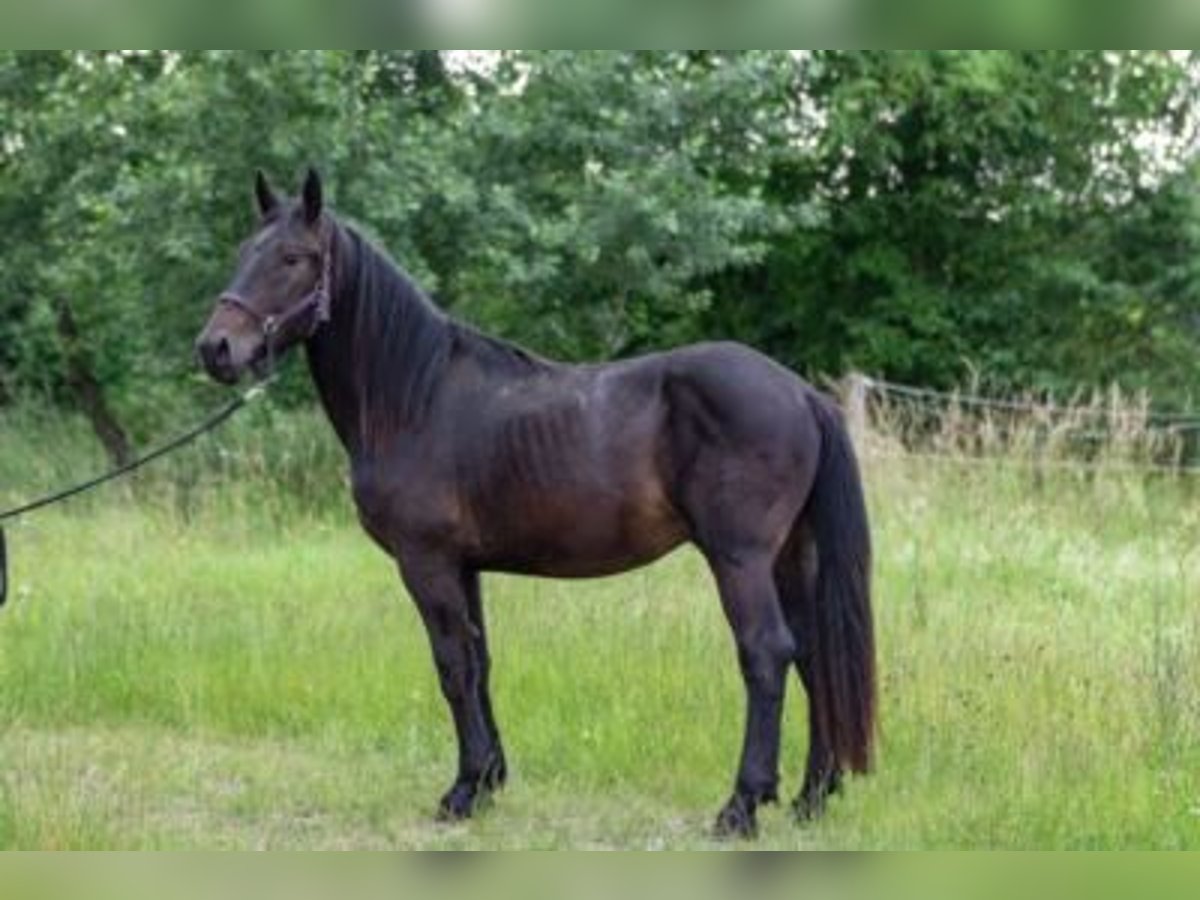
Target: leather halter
<point>317,300</point>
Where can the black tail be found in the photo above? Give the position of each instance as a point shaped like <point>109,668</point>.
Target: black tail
<point>844,642</point>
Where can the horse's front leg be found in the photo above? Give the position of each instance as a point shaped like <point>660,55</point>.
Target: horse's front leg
<point>497,773</point>
<point>437,586</point>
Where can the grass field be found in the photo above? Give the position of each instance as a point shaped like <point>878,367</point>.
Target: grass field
<point>204,661</point>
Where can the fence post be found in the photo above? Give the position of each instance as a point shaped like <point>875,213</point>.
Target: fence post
<point>854,401</point>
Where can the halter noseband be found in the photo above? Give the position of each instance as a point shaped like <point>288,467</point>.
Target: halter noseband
<point>317,299</point>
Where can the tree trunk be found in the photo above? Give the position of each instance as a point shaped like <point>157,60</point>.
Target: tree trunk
<point>86,389</point>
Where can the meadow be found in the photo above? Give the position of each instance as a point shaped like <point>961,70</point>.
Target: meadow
<point>214,656</point>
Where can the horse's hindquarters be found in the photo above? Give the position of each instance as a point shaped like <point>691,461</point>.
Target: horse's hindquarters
<point>743,447</point>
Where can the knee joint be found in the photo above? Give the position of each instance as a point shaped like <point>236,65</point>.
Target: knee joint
<point>765,659</point>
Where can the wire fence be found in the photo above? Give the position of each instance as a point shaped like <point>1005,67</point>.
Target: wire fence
<point>1046,465</point>
<point>1110,432</point>
<point>1182,421</point>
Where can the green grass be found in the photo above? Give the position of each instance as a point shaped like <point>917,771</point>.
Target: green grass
<point>222,665</point>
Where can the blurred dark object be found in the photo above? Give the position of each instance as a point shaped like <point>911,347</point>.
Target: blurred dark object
<point>3,569</point>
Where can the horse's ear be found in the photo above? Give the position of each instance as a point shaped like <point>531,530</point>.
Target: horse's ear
<point>312,196</point>
<point>268,200</point>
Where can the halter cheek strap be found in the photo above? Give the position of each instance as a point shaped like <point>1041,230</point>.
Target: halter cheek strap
<point>316,301</point>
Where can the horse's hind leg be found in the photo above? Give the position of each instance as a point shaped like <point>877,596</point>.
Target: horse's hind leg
<point>765,650</point>
<point>795,577</point>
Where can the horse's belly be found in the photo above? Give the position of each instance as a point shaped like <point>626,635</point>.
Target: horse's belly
<point>567,566</point>
<point>569,537</point>
<point>554,565</point>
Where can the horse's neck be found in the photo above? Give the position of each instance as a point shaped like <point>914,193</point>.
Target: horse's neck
<point>334,357</point>
<point>335,383</point>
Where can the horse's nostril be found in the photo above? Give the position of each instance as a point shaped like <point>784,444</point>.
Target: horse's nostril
<point>223,353</point>
<point>215,353</point>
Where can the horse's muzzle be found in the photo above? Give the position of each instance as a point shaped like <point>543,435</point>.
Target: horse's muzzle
<point>216,354</point>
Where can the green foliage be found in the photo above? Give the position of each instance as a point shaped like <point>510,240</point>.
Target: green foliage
<point>919,214</point>
<point>612,187</point>
<point>975,204</point>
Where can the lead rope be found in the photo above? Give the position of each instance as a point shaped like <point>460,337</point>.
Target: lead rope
<point>213,421</point>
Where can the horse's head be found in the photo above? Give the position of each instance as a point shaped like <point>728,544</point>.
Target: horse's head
<point>279,294</point>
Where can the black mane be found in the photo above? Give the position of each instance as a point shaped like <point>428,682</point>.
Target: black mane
<point>396,343</point>
<point>400,341</point>
<point>495,354</point>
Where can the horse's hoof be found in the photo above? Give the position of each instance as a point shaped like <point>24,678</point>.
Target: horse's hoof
<point>459,803</point>
<point>810,803</point>
<point>735,822</point>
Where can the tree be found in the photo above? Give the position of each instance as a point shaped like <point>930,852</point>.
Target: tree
<point>915,213</point>
<point>953,186</point>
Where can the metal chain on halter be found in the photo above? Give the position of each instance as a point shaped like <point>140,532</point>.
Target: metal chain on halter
<point>324,291</point>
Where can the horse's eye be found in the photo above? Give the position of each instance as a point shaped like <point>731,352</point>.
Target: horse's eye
<point>291,259</point>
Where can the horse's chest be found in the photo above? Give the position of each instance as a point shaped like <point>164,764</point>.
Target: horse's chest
<point>401,503</point>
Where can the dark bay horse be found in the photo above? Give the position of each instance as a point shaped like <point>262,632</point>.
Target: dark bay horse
<point>469,454</point>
